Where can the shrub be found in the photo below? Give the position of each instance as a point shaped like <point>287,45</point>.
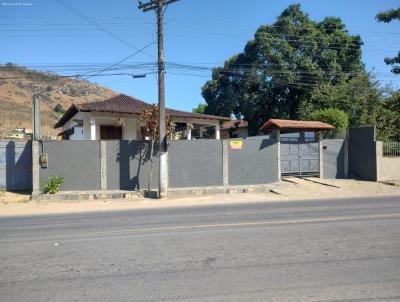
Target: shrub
<point>53,184</point>
<point>59,109</point>
<point>336,117</point>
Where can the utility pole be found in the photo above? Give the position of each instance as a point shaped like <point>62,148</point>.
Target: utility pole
<point>158,5</point>
<point>36,117</point>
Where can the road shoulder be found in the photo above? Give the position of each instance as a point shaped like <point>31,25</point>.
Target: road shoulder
<point>294,189</point>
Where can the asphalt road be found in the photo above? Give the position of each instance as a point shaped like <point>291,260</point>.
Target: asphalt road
<point>321,250</point>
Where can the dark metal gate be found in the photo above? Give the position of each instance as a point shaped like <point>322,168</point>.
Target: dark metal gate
<point>299,158</point>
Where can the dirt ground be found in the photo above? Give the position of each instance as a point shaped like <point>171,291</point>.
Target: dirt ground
<point>14,197</point>
<point>316,188</point>
<point>13,204</point>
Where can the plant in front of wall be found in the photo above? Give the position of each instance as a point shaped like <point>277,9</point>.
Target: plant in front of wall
<point>149,121</point>
<point>52,184</point>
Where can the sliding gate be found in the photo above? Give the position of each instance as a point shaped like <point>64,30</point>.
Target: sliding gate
<point>299,158</point>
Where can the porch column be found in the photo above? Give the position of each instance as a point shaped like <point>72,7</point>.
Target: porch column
<point>201,132</point>
<point>93,129</point>
<point>217,131</point>
<point>189,132</point>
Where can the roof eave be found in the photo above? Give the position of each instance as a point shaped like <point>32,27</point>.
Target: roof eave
<point>71,111</point>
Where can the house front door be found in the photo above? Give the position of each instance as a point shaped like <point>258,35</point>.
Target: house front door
<point>110,132</point>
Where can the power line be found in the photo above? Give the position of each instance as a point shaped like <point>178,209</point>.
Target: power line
<point>68,6</point>
<point>281,82</point>
<point>254,67</point>
<point>238,69</point>
<point>123,60</point>
<point>76,24</point>
<point>72,76</point>
<point>268,25</point>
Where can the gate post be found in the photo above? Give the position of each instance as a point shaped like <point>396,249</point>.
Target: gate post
<point>103,165</point>
<point>225,163</point>
<point>35,167</point>
<point>278,137</point>
<point>321,160</point>
<point>346,155</point>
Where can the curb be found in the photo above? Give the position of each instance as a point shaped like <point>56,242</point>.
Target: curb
<point>87,196</point>
<point>187,192</point>
<point>391,183</point>
<point>138,195</point>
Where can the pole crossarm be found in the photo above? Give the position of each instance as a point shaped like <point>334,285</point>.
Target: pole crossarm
<point>147,5</point>
<point>153,5</point>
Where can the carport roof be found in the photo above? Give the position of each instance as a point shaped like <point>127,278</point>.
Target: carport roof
<point>295,125</point>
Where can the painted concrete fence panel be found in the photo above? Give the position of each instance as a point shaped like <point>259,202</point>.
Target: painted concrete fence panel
<point>195,163</point>
<point>388,161</point>
<point>128,165</point>
<point>334,158</point>
<point>15,165</point>
<point>389,169</point>
<point>78,162</point>
<point>125,165</point>
<point>253,162</point>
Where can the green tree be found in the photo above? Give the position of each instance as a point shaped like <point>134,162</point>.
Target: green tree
<point>200,108</point>
<point>388,122</point>
<point>359,97</point>
<point>386,17</point>
<point>282,66</point>
<point>364,102</point>
<point>332,116</point>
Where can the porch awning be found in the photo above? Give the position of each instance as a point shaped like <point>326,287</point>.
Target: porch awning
<point>277,124</point>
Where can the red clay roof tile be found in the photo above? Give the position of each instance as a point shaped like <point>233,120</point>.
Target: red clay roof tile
<point>292,124</point>
<point>127,104</point>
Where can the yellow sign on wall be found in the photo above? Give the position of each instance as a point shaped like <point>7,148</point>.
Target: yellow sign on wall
<point>236,145</point>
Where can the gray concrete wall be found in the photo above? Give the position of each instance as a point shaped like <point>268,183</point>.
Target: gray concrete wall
<point>78,162</point>
<point>16,165</point>
<point>128,165</point>
<point>195,163</point>
<point>389,168</point>
<point>125,165</point>
<point>333,158</point>
<point>362,153</point>
<point>256,163</point>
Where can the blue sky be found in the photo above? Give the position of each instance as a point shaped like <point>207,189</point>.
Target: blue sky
<point>45,34</point>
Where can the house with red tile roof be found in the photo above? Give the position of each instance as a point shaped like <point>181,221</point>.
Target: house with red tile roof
<point>119,118</point>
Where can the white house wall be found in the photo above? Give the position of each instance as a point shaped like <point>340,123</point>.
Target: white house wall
<point>129,128</point>
<point>86,125</point>
<point>79,132</point>
<point>129,131</point>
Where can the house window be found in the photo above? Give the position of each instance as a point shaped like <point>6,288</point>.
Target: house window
<point>110,132</point>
